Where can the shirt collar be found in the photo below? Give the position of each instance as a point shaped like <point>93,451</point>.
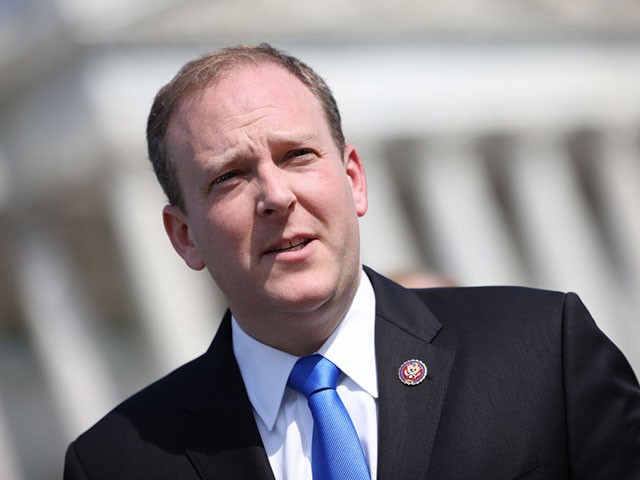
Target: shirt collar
<point>265,370</point>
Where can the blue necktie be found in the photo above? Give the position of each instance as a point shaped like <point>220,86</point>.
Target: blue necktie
<point>336,452</point>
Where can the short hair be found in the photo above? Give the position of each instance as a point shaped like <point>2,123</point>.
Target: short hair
<point>199,74</point>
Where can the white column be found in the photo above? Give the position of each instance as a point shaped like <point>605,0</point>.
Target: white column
<point>9,465</point>
<point>463,218</point>
<point>559,232</point>
<point>180,309</point>
<point>617,173</point>
<point>387,242</point>
<point>58,320</point>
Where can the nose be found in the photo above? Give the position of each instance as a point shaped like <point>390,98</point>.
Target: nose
<point>275,195</point>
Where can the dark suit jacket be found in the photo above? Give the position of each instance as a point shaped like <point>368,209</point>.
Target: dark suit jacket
<point>521,384</point>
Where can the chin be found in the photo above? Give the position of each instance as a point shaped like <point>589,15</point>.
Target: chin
<point>302,297</point>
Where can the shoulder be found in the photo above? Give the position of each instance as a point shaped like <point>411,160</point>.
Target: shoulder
<point>443,301</point>
<point>158,406</point>
<point>152,409</point>
<point>456,312</point>
<point>140,435</point>
<point>499,299</point>
<point>501,304</point>
<point>502,315</point>
<point>147,435</point>
<point>517,319</point>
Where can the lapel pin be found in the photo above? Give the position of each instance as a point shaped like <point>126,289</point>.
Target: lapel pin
<point>412,372</point>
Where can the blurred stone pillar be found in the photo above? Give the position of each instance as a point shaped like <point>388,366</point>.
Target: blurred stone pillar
<point>463,220</point>
<point>558,230</point>
<point>8,455</point>
<point>387,240</point>
<point>58,320</point>
<point>615,171</point>
<point>9,468</point>
<point>179,309</point>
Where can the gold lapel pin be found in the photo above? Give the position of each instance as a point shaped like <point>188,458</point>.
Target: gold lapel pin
<point>412,372</point>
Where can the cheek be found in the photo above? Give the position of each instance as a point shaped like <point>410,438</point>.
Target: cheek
<point>217,233</point>
<point>340,199</point>
<point>227,231</point>
<point>330,190</point>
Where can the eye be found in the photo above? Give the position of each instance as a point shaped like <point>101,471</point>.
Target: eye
<point>301,154</point>
<point>224,177</point>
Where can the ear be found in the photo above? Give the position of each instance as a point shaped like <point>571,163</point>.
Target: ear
<point>176,224</point>
<point>355,172</point>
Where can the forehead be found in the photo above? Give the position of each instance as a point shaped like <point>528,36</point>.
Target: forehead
<point>249,89</point>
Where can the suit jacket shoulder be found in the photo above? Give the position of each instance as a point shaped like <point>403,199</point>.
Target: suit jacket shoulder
<point>196,422</point>
<point>523,381</point>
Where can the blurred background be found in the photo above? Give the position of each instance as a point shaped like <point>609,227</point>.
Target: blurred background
<point>501,141</point>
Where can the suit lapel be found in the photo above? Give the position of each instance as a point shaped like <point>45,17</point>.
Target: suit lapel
<point>222,440</point>
<point>408,416</point>
<point>220,433</point>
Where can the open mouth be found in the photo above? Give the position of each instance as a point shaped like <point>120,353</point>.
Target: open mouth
<point>291,246</point>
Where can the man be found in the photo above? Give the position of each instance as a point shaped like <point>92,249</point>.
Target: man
<point>452,383</point>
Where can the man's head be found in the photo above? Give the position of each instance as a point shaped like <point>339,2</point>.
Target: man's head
<point>270,201</point>
<point>196,75</point>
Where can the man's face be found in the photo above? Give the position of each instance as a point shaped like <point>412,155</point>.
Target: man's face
<point>271,203</point>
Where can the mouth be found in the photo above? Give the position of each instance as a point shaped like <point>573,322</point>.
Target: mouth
<point>290,246</point>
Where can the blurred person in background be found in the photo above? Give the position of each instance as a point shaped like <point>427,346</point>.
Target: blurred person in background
<point>446,383</point>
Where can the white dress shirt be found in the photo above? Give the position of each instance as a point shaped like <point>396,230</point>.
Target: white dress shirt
<point>283,416</point>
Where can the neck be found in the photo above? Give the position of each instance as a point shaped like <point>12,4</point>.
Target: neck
<point>297,333</point>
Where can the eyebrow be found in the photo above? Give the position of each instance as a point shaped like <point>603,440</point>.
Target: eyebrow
<point>275,139</point>
<point>230,157</point>
<point>293,139</point>
<point>211,169</point>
